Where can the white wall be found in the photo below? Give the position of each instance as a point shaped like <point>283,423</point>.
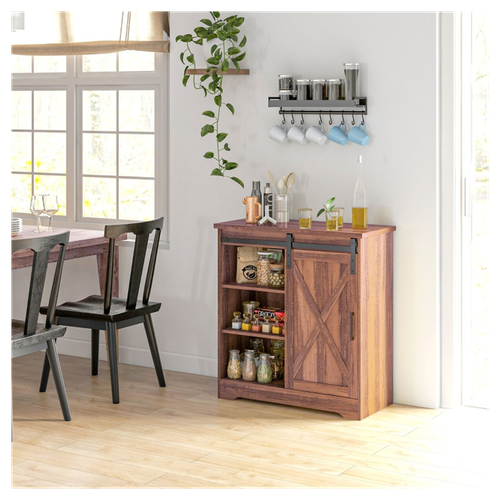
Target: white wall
<point>397,53</point>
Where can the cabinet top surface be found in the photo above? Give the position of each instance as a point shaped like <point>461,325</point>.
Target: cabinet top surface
<point>317,227</point>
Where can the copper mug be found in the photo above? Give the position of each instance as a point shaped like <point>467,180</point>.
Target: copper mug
<point>253,209</point>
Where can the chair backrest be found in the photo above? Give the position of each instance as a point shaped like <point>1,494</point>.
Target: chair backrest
<point>142,231</point>
<point>41,247</point>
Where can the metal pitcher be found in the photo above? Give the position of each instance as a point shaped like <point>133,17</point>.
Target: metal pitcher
<point>253,209</point>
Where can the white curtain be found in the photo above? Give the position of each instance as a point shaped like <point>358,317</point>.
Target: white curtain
<point>94,32</point>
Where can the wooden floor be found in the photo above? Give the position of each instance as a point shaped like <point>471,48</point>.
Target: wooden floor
<point>183,436</point>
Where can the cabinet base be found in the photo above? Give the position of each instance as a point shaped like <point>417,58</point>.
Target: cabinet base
<point>274,393</point>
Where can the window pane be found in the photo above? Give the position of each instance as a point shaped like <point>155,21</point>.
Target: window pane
<point>20,193</point>
<point>137,110</point>
<point>137,155</point>
<point>99,62</point>
<point>54,184</point>
<point>132,60</point>
<point>50,110</point>
<point>99,154</point>
<point>136,199</point>
<point>50,64</point>
<point>99,197</point>
<point>50,152</point>
<point>21,151</point>
<point>21,64</point>
<point>21,109</point>
<point>99,110</point>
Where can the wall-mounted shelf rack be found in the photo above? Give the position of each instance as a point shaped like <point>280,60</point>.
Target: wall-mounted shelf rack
<point>358,106</point>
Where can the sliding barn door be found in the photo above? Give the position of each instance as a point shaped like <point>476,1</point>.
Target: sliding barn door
<point>322,346</point>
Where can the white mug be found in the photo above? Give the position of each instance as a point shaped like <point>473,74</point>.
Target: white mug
<point>278,134</point>
<point>315,134</point>
<point>296,134</point>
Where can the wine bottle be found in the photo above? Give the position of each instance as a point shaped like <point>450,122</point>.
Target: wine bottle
<point>359,204</point>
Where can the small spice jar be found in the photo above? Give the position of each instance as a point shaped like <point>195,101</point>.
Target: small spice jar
<point>318,89</point>
<point>277,367</point>
<point>233,365</point>
<point>246,324</point>
<point>264,373</point>
<point>249,370</point>
<point>334,89</point>
<point>267,327</point>
<point>256,325</point>
<point>277,327</point>
<point>236,322</point>
<point>277,278</point>
<point>286,82</point>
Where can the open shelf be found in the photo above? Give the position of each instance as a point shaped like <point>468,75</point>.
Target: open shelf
<point>252,287</point>
<point>239,382</point>
<point>247,333</point>
<point>204,71</point>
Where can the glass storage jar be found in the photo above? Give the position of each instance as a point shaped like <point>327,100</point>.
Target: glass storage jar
<point>267,327</point>
<point>249,370</point>
<point>257,345</point>
<point>256,324</point>
<point>264,268</point>
<point>264,374</point>
<point>246,324</point>
<point>277,327</point>
<point>277,277</point>
<point>304,89</point>
<point>233,365</point>
<point>277,349</point>
<point>236,322</point>
<point>277,367</point>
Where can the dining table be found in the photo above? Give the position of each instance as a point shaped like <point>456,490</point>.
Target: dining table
<point>82,243</point>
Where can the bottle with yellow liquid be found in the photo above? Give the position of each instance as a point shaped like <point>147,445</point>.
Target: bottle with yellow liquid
<point>359,205</point>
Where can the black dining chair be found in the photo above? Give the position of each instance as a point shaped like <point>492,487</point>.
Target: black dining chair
<point>108,313</point>
<point>30,336</point>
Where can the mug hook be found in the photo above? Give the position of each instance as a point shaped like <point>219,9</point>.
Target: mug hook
<point>362,119</point>
<point>293,120</point>
<point>331,121</point>
<point>353,120</point>
<point>342,123</point>
<point>301,119</point>
<point>320,120</point>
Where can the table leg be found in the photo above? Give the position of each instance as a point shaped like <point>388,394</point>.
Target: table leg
<point>102,264</point>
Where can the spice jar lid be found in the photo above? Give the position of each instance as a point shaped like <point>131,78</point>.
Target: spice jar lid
<point>351,65</point>
<point>318,80</point>
<point>303,81</point>
<point>285,76</point>
<point>334,80</point>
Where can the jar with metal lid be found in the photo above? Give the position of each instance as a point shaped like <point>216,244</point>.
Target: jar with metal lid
<point>256,324</point>
<point>277,278</point>
<point>264,268</point>
<point>249,307</point>
<point>277,328</point>
<point>246,325</point>
<point>267,327</point>
<point>334,89</point>
<point>257,345</point>
<point>287,95</point>
<point>277,349</point>
<point>277,367</point>
<point>304,89</point>
<point>286,82</point>
<point>318,89</point>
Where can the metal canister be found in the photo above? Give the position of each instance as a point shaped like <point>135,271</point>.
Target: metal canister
<point>352,87</point>
<point>286,82</point>
<point>286,95</point>
<point>304,89</point>
<point>334,89</point>
<point>318,89</point>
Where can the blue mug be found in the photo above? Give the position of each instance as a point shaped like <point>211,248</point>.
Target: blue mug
<point>338,134</point>
<point>357,135</point>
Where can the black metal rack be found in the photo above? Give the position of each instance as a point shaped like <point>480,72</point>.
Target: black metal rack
<point>357,106</point>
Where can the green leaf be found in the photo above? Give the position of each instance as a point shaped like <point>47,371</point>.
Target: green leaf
<point>218,100</point>
<point>235,179</point>
<point>236,64</point>
<point>190,58</point>
<point>209,113</point>
<point>215,14</point>
<point>243,41</point>
<point>185,80</point>
<point>239,21</point>
<point>320,212</point>
<point>231,165</point>
<point>217,172</point>
<point>240,57</point>
<point>226,147</point>
<point>199,41</point>
<point>211,37</point>
<point>221,35</point>
<point>233,50</point>
<point>224,66</point>
<point>329,203</point>
<point>208,154</point>
<point>207,129</point>
<point>230,107</point>
<point>178,37</point>
<point>221,136</point>
<point>204,77</point>
<point>182,57</point>
<point>213,60</point>
<point>206,21</point>
<point>186,38</point>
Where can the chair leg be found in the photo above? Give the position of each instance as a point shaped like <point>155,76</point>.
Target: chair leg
<point>45,374</point>
<point>153,346</point>
<point>58,378</point>
<point>113,361</point>
<point>95,351</point>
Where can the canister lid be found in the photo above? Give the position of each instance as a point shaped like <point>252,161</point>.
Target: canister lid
<point>351,65</point>
<point>318,80</point>
<point>303,81</point>
<point>334,80</point>
<point>285,76</point>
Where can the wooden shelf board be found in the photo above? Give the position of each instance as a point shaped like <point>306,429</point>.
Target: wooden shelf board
<point>253,287</point>
<point>248,333</point>
<point>203,71</point>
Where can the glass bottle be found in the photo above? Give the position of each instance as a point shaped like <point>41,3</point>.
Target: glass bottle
<point>277,349</point>
<point>256,191</point>
<point>236,323</point>
<point>234,365</point>
<point>264,373</point>
<point>277,367</point>
<point>249,370</point>
<point>256,325</point>
<point>359,205</point>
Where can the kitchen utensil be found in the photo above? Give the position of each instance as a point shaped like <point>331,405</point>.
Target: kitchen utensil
<point>289,182</point>
<point>271,180</point>
<point>281,185</point>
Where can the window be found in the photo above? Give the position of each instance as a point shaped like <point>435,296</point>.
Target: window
<point>89,128</point>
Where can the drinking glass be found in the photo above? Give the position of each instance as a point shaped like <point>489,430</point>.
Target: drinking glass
<point>332,220</point>
<point>37,208</point>
<point>305,217</point>
<point>51,205</point>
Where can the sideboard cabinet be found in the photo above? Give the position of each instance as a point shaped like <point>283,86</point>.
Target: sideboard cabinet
<point>338,304</point>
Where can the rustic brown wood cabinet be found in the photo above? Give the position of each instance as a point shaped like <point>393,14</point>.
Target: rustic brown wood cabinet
<point>338,301</point>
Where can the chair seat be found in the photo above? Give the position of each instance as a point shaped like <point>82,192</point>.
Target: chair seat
<point>42,334</point>
<point>92,308</point>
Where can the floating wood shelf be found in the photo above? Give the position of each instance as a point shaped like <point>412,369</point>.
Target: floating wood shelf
<point>203,71</point>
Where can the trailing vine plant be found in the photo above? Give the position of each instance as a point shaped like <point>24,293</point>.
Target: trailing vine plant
<point>227,50</point>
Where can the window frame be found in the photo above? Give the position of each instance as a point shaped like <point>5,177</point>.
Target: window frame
<point>73,81</point>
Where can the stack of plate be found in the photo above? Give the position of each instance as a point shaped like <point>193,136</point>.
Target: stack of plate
<point>16,225</point>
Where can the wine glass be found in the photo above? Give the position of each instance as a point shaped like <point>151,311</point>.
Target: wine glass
<point>37,208</point>
<point>51,205</point>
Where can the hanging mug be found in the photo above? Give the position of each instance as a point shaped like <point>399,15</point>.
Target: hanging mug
<point>358,135</point>
<point>278,133</point>
<point>297,134</point>
<point>315,134</point>
<point>338,134</point>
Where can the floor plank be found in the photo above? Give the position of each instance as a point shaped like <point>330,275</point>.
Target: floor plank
<point>184,437</point>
